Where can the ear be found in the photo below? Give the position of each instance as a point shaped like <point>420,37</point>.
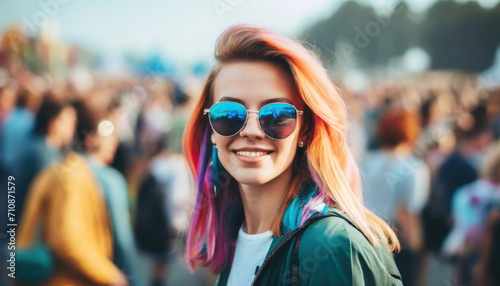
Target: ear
<point>212,138</point>
<point>303,138</point>
<point>52,125</point>
<point>91,141</point>
<point>305,131</point>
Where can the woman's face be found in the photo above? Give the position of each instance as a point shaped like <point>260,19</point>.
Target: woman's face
<point>65,125</point>
<point>250,156</point>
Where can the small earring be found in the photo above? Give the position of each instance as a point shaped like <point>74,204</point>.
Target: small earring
<point>301,144</point>
<point>211,166</point>
<point>215,171</point>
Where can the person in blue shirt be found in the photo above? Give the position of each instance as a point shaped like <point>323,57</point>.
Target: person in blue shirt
<point>97,137</point>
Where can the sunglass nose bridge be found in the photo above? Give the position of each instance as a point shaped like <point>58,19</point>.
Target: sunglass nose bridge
<point>252,126</point>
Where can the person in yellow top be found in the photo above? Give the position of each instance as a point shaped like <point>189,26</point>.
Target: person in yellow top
<point>65,198</point>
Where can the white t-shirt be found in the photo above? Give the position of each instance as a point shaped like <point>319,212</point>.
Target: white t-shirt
<point>391,181</point>
<point>251,250</point>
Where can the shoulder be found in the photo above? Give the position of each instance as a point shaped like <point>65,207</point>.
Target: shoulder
<point>113,184</point>
<point>331,249</point>
<point>72,165</point>
<point>30,152</point>
<point>72,172</point>
<point>335,236</point>
<point>112,174</point>
<point>336,228</point>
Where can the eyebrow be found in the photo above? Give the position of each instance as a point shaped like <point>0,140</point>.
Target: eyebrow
<point>267,101</point>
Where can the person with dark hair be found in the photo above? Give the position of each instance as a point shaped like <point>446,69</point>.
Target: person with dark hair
<point>397,185</point>
<point>470,206</point>
<point>54,129</point>
<point>458,169</point>
<point>162,210</point>
<point>427,111</point>
<point>81,199</point>
<point>97,131</point>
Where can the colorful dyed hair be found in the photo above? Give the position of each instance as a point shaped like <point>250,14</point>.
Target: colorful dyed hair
<point>326,172</point>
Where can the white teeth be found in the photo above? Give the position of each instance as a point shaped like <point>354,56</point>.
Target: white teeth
<point>250,153</point>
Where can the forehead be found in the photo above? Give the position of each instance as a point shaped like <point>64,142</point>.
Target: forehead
<point>253,83</point>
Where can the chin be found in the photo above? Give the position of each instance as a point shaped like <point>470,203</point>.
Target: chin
<point>252,182</point>
<point>253,178</point>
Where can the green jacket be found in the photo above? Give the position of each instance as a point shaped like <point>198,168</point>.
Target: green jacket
<point>332,251</point>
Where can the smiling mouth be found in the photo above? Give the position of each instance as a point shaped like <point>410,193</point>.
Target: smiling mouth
<point>252,153</point>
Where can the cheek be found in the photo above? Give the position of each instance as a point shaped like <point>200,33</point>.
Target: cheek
<point>110,144</point>
<point>221,143</point>
<point>288,151</point>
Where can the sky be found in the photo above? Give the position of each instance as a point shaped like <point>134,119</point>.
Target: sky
<point>184,31</point>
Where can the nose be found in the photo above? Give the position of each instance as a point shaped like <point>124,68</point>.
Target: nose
<point>252,128</point>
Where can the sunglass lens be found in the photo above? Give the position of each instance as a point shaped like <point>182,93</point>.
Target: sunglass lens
<point>227,118</point>
<point>278,120</point>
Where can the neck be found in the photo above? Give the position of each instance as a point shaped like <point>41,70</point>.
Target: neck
<point>401,149</point>
<point>95,156</point>
<point>467,148</point>
<point>53,141</point>
<point>261,203</point>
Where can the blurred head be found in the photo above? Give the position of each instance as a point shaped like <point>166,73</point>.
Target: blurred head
<point>256,67</point>
<point>97,131</point>
<point>8,96</point>
<point>472,123</point>
<point>493,104</point>
<point>491,166</point>
<point>398,127</point>
<point>471,131</point>
<point>428,111</point>
<point>56,120</point>
<point>29,100</point>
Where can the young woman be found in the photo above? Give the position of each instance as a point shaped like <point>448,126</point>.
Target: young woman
<point>278,193</point>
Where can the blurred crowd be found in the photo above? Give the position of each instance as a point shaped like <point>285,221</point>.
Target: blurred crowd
<point>100,177</point>
<point>96,161</point>
<point>431,168</point>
